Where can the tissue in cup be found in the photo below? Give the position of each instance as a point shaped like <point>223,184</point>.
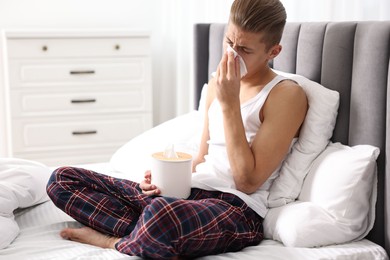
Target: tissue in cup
<point>172,175</point>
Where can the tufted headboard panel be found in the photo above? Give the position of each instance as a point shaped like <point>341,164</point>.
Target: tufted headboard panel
<point>349,57</point>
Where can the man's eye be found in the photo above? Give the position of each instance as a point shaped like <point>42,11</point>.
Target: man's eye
<point>245,51</point>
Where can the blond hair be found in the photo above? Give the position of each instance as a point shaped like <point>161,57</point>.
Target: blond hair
<point>265,16</point>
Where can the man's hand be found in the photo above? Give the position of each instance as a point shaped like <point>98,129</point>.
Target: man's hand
<point>227,81</point>
<point>147,187</point>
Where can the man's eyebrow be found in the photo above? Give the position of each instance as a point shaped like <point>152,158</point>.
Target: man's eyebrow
<point>239,46</point>
<point>228,39</point>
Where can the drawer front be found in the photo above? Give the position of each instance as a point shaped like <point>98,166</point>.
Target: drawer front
<point>78,47</point>
<point>29,103</point>
<point>79,133</point>
<point>71,72</point>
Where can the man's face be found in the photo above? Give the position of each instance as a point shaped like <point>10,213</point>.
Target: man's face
<point>249,46</point>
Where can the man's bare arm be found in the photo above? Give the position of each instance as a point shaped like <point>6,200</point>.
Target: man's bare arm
<point>283,114</point>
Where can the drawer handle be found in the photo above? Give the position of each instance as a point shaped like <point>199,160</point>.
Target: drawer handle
<point>92,132</point>
<point>77,101</point>
<point>80,72</point>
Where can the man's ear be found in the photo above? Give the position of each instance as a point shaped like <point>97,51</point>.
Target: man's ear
<point>274,51</point>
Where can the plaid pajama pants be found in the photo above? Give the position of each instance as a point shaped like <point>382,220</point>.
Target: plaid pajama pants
<point>208,222</point>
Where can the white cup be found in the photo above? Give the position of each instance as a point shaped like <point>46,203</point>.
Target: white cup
<point>172,175</point>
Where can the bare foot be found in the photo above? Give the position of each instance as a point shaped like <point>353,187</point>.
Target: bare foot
<point>89,236</point>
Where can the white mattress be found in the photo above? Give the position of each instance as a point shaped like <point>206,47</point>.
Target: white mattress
<point>39,239</point>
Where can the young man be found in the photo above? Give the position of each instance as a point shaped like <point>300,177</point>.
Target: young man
<point>250,125</point>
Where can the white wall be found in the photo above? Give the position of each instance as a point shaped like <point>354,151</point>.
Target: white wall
<point>337,10</point>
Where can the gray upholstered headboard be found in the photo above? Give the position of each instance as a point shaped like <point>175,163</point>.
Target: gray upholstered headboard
<point>350,57</point>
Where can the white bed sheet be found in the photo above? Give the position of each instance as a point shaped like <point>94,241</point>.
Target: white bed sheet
<point>40,226</point>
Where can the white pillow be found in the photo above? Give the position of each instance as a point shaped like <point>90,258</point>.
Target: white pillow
<point>315,134</point>
<point>202,100</point>
<point>22,184</point>
<point>337,202</point>
<point>133,158</point>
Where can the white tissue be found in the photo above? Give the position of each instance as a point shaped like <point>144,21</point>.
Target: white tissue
<point>243,69</point>
<point>169,152</point>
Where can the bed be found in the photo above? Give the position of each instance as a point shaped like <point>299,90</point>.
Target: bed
<point>348,58</point>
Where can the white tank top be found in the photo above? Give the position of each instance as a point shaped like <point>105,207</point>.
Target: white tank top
<point>215,173</point>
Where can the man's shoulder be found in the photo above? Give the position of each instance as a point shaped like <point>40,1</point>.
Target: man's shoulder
<point>289,89</point>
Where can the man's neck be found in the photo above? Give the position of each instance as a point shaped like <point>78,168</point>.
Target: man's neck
<point>251,86</point>
<point>259,79</point>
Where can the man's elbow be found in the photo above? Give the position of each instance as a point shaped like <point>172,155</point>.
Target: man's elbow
<point>249,183</point>
<point>246,187</point>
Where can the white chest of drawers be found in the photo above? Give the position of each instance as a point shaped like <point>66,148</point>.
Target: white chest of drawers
<point>75,97</point>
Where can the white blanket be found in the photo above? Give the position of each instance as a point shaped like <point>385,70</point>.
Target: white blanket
<point>22,184</point>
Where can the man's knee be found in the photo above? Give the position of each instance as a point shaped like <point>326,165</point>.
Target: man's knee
<point>53,184</point>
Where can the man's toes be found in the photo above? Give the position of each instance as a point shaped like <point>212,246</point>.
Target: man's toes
<point>65,233</point>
